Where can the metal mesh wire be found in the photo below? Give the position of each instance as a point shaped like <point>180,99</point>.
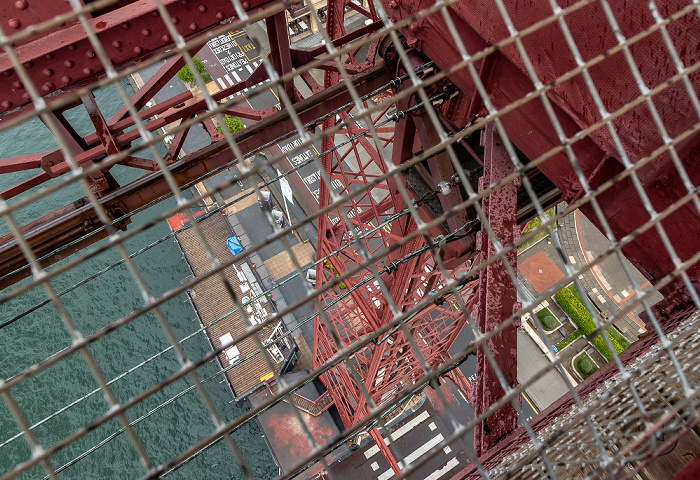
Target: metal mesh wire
<point>91,307</point>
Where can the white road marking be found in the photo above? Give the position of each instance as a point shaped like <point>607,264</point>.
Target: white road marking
<point>432,426</point>
<point>249,69</point>
<point>221,82</point>
<point>447,450</point>
<point>228,79</point>
<point>375,466</point>
<point>235,75</point>
<point>413,456</point>
<point>602,279</point>
<point>572,259</point>
<point>400,432</point>
<point>602,300</point>
<point>624,293</point>
<point>439,473</point>
<point>617,298</point>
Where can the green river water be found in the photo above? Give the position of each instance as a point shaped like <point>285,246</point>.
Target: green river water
<point>42,333</point>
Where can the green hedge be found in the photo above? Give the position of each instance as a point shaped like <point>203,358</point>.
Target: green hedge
<point>569,302</point>
<point>569,340</point>
<point>233,123</point>
<point>186,75</point>
<point>534,224</point>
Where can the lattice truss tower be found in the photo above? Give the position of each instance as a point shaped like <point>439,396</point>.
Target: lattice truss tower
<point>444,128</point>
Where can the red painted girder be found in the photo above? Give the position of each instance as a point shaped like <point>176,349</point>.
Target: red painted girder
<point>20,15</point>
<point>479,24</point>
<point>461,382</point>
<point>497,297</point>
<point>301,57</point>
<point>377,437</point>
<point>141,163</point>
<point>279,49</point>
<point>441,169</point>
<point>18,164</point>
<point>68,224</point>
<point>64,57</point>
<point>90,140</point>
<point>151,87</point>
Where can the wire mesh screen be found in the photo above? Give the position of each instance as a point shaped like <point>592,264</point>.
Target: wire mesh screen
<point>349,239</point>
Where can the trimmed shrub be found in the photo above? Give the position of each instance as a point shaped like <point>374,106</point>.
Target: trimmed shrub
<point>586,365</point>
<point>233,123</point>
<point>186,75</point>
<point>549,322</point>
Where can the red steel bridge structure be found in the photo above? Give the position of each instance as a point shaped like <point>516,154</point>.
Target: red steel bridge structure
<point>445,128</point>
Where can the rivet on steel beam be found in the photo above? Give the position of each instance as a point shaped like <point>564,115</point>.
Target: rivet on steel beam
<point>87,71</point>
<point>66,79</point>
<point>145,32</point>
<point>17,84</point>
<point>138,50</point>
<point>165,38</point>
<point>155,14</point>
<point>394,4</point>
<point>26,97</point>
<point>175,20</point>
<point>14,23</point>
<point>29,64</point>
<point>6,104</point>
<point>72,46</point>
<point>21,5</point>
<point>392,19</point>
<point>184,2</point>
<point>47,72</point>
<point>126,26</point>
<point>202,8</point>
<point>116,44</point>
<point>246,4</point>
<point>414,27</point>
<point>193,26</point>
<point>90,54</point>
<point>49,56</point>
<point>47,87</point>
<point>219,15</point>
<point>7,73</point>
<point>68,63</point>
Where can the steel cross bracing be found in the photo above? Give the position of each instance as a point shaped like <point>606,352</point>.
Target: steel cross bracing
<point>606,109</point>
<point>382,370</point>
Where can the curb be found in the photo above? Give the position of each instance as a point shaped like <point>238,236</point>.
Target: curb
<point>550,355</point>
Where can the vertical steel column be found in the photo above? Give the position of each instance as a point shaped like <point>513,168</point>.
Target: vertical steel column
<point>497,297</point>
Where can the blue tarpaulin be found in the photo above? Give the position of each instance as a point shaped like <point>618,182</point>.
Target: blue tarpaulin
<point>233,245</point>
